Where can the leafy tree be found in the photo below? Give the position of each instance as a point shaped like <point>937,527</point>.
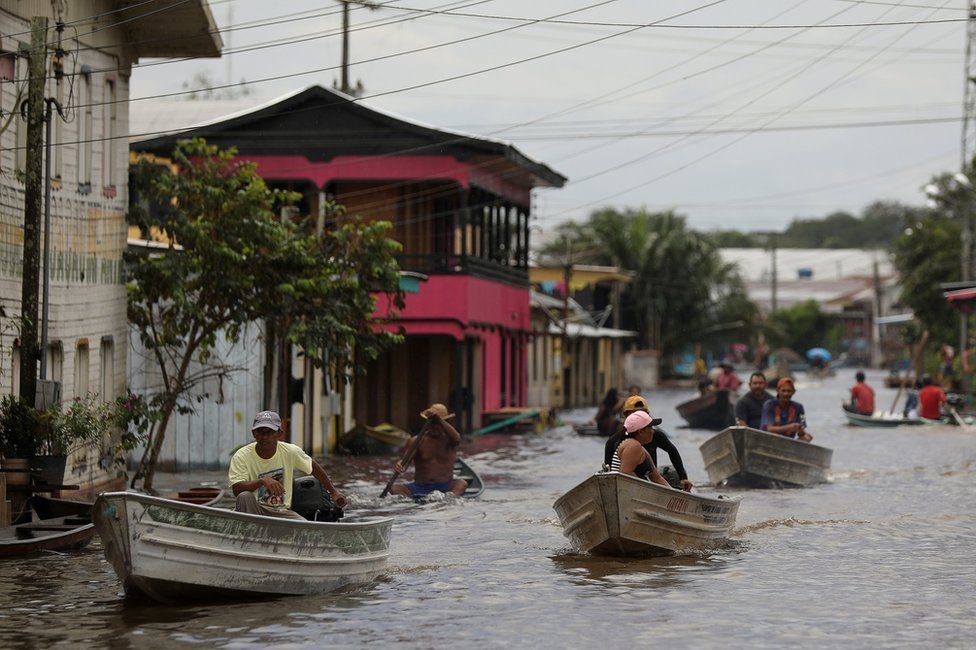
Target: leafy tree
<point>679,279</point>
<point>232,261</point>
<point>927,254</point>
<point>800,327</point>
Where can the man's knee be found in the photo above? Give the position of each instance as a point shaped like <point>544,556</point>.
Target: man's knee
<point>459,486</point>
<point>246,502</point>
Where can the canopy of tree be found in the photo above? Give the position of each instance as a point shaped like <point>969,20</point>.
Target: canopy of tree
<point>682,292</point>
<point>877,227</point>
<point>232,260</point>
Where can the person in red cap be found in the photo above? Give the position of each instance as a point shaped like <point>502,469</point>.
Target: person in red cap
<point>784,416</point>
<point>630,456</point>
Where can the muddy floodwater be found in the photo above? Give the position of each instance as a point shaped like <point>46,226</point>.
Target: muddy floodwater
<point>883,556</point>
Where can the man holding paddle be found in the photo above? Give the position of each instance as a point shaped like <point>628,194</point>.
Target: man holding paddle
<point>433,452</point>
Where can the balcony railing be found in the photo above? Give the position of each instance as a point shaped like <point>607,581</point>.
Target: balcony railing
<point>444,264</point>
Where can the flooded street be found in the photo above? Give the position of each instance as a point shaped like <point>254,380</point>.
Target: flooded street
<point>882,556</point>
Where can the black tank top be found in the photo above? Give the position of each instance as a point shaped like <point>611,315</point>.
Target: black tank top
<point>642,471</point>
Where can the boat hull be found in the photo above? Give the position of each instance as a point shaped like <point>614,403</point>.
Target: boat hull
<point>739,456</point>
<point>712,411</point>
<point>59,534</point>
<point>860,420</point>
<point>619,515</point>
<point>172,552</point>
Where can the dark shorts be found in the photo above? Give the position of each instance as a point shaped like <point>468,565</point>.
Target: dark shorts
<point>427,488</point>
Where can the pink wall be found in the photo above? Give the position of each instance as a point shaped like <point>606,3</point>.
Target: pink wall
<point>392,168</point>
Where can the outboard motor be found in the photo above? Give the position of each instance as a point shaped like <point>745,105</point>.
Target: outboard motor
<point>312,501</point>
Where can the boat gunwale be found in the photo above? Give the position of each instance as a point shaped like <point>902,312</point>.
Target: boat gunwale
<point>146,499</point>
<point>293,559</point>
<point>698,497</point>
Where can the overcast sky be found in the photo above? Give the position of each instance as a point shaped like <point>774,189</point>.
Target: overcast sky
<point>657,117</point>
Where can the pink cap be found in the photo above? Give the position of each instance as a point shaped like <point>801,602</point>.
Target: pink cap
<point>639,420</point>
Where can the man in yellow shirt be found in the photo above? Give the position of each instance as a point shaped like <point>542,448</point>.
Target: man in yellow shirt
<point>261,473</point>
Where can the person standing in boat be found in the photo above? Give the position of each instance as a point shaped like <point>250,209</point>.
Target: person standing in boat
<point>434,458</point>
<point>784,416</point>
<point>862,396</point>
<point>630,457</point>
<point>261,473</point>
<point>748,410</point>
<point>727,379</point>
<point>660,441</point>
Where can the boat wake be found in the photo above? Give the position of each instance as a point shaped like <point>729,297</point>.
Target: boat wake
<point>792,522</point>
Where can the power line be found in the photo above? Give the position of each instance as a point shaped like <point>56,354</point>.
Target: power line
<point>748,133</point>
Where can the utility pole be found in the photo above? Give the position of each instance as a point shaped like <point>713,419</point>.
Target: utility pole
<point>773,277</point>
<point>344,85</point>
<point>968,128</point>
<point>876,347</point>
<point>33,198</point>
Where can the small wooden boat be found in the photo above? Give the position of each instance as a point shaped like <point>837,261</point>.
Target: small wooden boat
<point>58,534</point>
<point>587,430</point>
<point>475,486</point>
<point>616,514</point>
<point>201,495</point>
<point>880,420</point>
<point>173,552</point>
<point>745,457</point>
<point>895,380</point>
<point>49,507</point>
<point>378,440</point>
<point>711,411</point>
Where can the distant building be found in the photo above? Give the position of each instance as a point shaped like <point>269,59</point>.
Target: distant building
<point>853,286</point>
<point>87,332</point>
<point>460,207</point>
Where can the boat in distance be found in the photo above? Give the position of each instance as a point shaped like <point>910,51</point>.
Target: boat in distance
<point>880,420</point>
<point>712,411</point>
<point>744,457</point>
<point>621,515</point>
<point>174,552</point>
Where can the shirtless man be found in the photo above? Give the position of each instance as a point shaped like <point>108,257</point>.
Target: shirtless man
<point>434,458</point>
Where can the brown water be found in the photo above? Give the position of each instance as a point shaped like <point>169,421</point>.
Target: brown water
<point>882,556</point>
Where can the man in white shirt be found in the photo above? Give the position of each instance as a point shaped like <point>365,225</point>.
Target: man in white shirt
<point>261,473</point>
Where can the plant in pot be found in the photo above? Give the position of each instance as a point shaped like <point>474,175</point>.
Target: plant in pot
<point>19,424</point>
<point>64,427</point>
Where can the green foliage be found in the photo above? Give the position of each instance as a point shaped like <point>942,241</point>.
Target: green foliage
<point>682,291</point>
<point>134,418</point>
<point>926,255</point>
<point>78,422</point>
<point>801,327</point>
<point>877,227</point>
<point>19,424</point>
<point>230,261</point>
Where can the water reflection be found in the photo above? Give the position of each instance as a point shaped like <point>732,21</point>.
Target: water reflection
<point>667,572</point>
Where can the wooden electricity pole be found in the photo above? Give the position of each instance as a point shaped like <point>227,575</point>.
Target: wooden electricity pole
<point>33,201</point>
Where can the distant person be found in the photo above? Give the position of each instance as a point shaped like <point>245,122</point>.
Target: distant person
<point>862,396</point>
<point>606,416</point>
<point>435,457</point>
<point>784,416</point>
<point>911,401</point>
<point>931,399</point>
<point>261,473</point>
<point>727,379</point>
<point>762,353</point>
<point>659,441</point>
<point>630,457</point>
<point>748,410</point>
<point>947,354</point>
<point>704,386</point>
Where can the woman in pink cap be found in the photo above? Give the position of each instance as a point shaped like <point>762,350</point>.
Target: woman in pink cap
<point>631,457</point>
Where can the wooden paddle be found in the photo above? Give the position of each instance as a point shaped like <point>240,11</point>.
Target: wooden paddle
<point>957,417</point>
<point>407,457</point>
<point>914,365</point>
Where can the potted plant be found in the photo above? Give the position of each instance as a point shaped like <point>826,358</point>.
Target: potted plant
<point>64,427</point>
<point>19,423</point>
